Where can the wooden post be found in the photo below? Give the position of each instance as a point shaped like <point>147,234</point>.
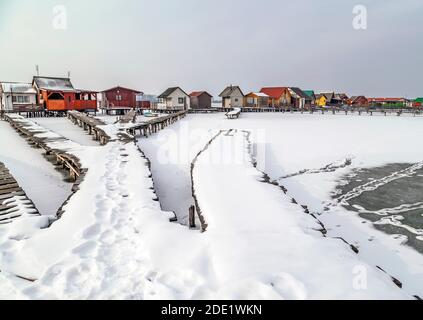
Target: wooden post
<point>192,217</point>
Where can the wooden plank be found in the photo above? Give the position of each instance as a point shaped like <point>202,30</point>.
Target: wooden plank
<point>9,218</point>
<point>10,191</point>
<point>11,195</point>
<point>7,181</point>
<point>7,207</point>
<point>9,186</point>
<point>6,176</point>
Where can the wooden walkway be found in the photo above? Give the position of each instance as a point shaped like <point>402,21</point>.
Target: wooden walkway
<point>368,111</point>
<point>155,125</point>
<point>13,200</point>
<point>90,124</point>
<point>66,160</point>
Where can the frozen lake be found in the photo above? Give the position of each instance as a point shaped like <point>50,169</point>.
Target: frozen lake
<point>312,155</point>
<point>43,184</point>
<point>391,198</point>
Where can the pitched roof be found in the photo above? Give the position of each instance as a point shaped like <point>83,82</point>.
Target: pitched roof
<point>355,98</point>
<point>119,87</point>
<point>229,91</point>
<point>199,93</point>
<point>419,100</point>
<point>274,92</point>
<point>299,92</point>
<point>53,84</point>
<point>341,96</point>
<point>258,94</point>
<point>169,91</point>
<point>17,87</point>
<point>310,93</point>
<point>328,95</point>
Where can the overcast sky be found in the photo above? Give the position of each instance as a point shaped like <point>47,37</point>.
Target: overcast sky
<point>208,44</point>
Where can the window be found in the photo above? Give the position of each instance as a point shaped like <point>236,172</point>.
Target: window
<point>20,99</point>
<point>56,96</point>
<point>236,100</point>
<point>118,98</point>
<point>181,100</point>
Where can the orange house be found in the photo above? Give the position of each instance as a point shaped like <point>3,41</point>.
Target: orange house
<point>58,94</point>
<point>278,96</point>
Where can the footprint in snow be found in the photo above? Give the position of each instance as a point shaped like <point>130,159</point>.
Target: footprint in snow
<point>86,249</point>
<point>92,231</point>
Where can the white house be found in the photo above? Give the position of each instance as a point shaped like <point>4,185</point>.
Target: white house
<point>174,98</point>
<point>16,97</point>
<point>232,97</point>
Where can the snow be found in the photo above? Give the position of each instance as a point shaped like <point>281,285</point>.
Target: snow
<point>261,240</point>
<point>171,152</point>
<point>67,129</point>
<point>235,111</point>
<point>260,94</point>
<point>258,244</point>
<point>287,144</point>
<point>32,171</point>
<point>12,87</point>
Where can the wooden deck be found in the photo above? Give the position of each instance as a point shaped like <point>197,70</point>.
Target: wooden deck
<point>156,124</point>
<point>13,199</point>
<point>91,124</point>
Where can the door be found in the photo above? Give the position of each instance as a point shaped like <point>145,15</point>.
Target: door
<point>69,101</point>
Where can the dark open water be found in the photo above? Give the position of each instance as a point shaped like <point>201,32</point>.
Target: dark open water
<point>391,197</point>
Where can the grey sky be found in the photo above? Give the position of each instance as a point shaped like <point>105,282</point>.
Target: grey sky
<point>207,44</point>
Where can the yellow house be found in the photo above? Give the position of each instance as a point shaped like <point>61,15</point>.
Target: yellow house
<point>321,101</point>
<point>324,99</point>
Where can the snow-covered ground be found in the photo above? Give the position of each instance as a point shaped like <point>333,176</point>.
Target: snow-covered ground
<point>288,144</point>
<point>265,246</point>
<point>43,184</point>
<point>115,242</point>
<point>67,129</point>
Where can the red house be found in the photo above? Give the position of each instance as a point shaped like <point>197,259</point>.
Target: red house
<point>358,101</point>
<point>119,99</point>
<point>59,95</point>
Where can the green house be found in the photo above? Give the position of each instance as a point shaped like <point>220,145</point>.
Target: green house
<point>310,93</point>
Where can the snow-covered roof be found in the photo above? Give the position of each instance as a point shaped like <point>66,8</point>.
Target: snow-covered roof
<point>54,84</point>
<point>259,94</point>
<point>17,87</point>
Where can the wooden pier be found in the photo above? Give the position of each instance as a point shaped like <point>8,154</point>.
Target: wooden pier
<point>13,199</point>
<point>369,111</point>
<point>89,124</point>
<point>66,160</point>
<point>155,125</point>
